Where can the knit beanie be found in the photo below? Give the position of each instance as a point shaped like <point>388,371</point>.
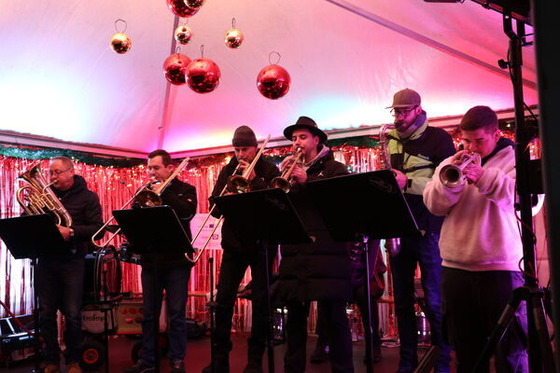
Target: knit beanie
<point>244,136</point>
<point>478,117</point>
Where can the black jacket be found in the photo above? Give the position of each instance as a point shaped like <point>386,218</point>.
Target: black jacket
<point>182,198</point>
<point>85,210</point>
<point>321,270</point>
<point>265,172</point>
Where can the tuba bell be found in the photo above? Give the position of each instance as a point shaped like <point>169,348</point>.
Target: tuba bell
<point>38,198</point>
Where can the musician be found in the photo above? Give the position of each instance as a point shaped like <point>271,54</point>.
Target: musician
<point>318,271</point>
<point>481,246</point>
<point>415,150</point>
<point>60,278</point>
<point>239,253</point>
<point>167,271</point>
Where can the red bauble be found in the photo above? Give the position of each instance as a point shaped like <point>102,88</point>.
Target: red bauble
<point>273,82</point>
<point>175,68</point>
<point>181,9</point>
<point>203,75</point>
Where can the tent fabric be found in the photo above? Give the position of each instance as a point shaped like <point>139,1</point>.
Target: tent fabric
<point>60,78</point>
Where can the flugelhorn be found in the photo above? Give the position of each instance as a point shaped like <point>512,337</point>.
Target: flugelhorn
<point>38,197</point>
<point>241,183</point>
<point>451,175</point>
<point>284,181</point>
<point>147,195</point>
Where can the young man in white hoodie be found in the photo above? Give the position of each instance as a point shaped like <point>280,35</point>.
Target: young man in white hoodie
<point>480,245</point>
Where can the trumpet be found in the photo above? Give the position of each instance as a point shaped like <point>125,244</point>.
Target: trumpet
<point>284,181</point>
<point>241,183</point>
<point>146,196</point>
<point>451,175</point>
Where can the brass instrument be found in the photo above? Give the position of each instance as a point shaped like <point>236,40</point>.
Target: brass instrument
<point>38,197</point>
<point>385,160</point>
<point>235,184</point>
<point>145,196</point>
<point>241,183</point>
<point>284,181</point>
<point>451,175</point>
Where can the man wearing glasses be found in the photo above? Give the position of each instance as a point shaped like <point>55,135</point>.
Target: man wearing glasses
<point>415,150</point>
<point>60,278</point>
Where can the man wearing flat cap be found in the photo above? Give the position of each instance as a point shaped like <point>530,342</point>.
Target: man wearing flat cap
<point>239,254</point>
<point>481,246</point>
<point>415,150</point>
<point>319,271</point>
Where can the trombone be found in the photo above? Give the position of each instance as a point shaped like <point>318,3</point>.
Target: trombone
<point>283,181</point>
<point>146,196</point>
<point>234,184</point>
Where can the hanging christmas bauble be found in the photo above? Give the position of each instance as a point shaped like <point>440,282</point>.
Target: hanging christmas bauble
<point>175,68</point>
<point>194,3</point>
<point>273,81</point>
<point>183,34</point>
<point>203,75</point>
<point>121,43</point>
<point>234,38</point>
<point>181,9</point>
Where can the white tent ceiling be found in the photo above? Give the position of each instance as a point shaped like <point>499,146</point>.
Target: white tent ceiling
<point>60,78</point>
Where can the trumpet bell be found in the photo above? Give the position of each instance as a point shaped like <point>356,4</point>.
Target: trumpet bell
<point>451,176</point>
<point>280,182</point>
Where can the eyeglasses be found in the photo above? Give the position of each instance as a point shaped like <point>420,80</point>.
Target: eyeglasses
<point>404,112</point>
<point>58,172</point>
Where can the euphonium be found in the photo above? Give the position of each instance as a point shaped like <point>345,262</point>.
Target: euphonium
<point>283,181</point>
<point>451,175</point>
<point>38,197</point>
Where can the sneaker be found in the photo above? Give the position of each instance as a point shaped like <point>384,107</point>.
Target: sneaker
<point>73,368</point>
<point>51,368</point>
<point>140,367</point>
<point>177,366</point>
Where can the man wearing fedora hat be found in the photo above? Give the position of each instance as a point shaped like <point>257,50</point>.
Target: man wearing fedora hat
<point>415,149</point>
<point>319,271</point>
<point>239,254</point>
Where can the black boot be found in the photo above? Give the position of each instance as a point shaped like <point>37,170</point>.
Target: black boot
<point>220,363</point>
<point>254,358</point>
<point>320,353</point>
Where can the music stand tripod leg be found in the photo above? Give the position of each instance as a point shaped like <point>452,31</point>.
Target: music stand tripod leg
<point>369,330</point>
<point>269,329</point>
<point>211,306</point>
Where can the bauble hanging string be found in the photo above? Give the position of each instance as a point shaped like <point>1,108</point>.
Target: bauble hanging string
<point>181,9</point>
<point>120,42</point>
<point>203,74</point>
<point>273,81</point>
<point>175,68</point>
<point>234,37</point>
<point>183,34</point>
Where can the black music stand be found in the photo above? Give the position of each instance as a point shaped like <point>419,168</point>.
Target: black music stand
<point>46,240</point>
<point>364,206</point>
<point>266,216</point>
<point>154,230</point>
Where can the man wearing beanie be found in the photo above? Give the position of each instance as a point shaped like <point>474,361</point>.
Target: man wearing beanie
<point>239,254</point>
<point>415,149</point>
<point>480,246</point>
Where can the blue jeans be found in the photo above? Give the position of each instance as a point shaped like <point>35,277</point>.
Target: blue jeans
<point>60,286</point>
<point>175,282</point>
<point>423,250</point>
<point>232,270</point>
<point>473,303</point>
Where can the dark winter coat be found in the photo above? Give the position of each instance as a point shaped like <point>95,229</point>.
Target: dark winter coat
<point>181,197</point>
<point>265,172</point>
<point>85,210</point>
<point>320,270</point>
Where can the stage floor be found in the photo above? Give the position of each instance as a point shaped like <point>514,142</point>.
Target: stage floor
<point>198,356</point>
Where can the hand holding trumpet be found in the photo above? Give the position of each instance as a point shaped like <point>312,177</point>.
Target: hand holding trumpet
<point>469,164</point>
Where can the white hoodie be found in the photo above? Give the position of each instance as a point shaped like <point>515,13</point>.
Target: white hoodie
<point>480,231</point>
